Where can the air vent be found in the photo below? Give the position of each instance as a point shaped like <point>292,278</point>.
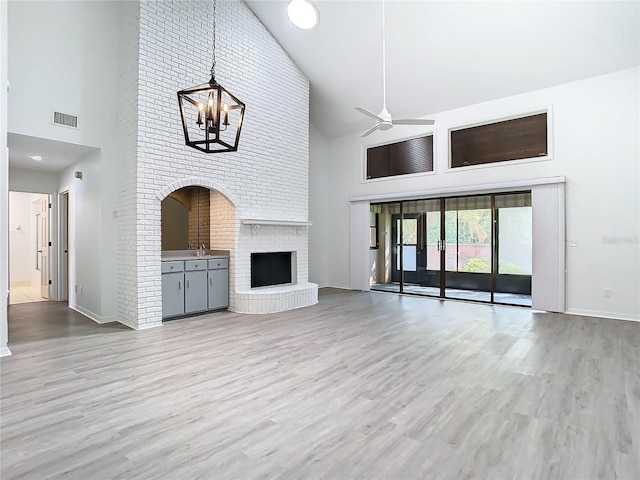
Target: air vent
<point>65,119</point>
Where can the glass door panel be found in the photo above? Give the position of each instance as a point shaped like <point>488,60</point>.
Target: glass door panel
<point>468,257</point>
<point>514,249</point>
<point>383,251</point>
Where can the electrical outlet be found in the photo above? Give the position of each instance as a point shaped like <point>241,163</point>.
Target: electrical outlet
<point>607,293</point>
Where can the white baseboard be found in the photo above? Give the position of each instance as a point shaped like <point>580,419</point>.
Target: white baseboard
<point>341,287</point>
<point>93,316</point>
<point>594,313</point>
<point>4,351</point>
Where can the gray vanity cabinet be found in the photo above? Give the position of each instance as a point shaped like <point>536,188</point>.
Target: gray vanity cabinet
<point>195,279</point>
<point>194,286</point>
<point>172,289</point>
<point>218,283</point>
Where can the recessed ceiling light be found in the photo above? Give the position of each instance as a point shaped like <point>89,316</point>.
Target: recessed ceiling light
<point>303,14</point>
<point>36,158</point>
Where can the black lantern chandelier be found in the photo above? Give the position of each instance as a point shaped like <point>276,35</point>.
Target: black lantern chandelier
<point>211,115</point>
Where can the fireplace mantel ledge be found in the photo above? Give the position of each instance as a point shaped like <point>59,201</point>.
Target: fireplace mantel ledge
<point>283,223</point>
<point>255,223</point>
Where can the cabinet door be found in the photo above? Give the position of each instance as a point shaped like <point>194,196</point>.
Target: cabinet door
<point>172,294</point>
<point>195,296</point>
<point>218,288</point>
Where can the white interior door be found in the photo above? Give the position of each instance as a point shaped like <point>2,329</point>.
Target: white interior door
<point>44,248</point>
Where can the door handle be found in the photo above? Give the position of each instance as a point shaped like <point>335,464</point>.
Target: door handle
<point>179,285</point>
<point>210,281</point>
<point>187,283</point>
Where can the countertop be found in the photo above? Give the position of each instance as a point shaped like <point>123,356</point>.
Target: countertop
<point>169,255</point>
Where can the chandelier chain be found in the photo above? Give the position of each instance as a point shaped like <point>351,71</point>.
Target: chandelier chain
<point>213,55</point>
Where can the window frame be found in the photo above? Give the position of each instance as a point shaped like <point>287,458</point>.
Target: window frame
<point>490,120</point>
<point>401,177</point>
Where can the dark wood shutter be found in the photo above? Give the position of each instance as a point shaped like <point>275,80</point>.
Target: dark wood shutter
<point>401,158</point>
<point>524,137</point>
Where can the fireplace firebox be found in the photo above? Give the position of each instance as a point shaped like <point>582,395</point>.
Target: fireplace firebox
<point>271,268</point>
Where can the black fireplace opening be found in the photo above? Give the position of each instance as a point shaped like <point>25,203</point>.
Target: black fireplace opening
<point>272,268</point>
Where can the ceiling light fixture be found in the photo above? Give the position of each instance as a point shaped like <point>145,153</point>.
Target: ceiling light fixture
<point>211,115</point>
<point>36,158</point>
<point>303,14</point>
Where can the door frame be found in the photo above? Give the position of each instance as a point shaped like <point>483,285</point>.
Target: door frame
<point>63,245</point>
<point>548,283</point>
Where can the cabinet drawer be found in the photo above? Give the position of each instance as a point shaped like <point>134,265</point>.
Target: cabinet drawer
<point>218,263</point>
<point>169,267</point>
<point>190,265</point>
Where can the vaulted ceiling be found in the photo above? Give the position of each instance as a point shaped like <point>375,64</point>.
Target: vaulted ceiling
<point>443,55</point>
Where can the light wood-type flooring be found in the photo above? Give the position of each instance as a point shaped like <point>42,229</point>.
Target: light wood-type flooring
<point>360,386</point>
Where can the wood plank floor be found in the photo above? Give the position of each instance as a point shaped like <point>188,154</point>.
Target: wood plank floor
<point>359,386</point>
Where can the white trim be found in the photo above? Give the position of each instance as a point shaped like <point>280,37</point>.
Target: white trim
<point>61,289</point>
<point>340,287</point>
<point>548,283</point>
<point>360,245</point>
<point>4,351</point>
<point>282,223</point>
<point>607,315</point>
<point>450,191</point>
<point>93,316</point>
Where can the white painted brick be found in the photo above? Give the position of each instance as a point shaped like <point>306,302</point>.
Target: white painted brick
<point>166,47</point>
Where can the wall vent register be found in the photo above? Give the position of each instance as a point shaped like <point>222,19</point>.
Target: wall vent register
<point>64,119</point>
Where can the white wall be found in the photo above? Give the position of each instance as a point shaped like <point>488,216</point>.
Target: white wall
<point>64,57</point>
<point>22,239</point>
<point>4,184</point>
<point>21,180</point>
<point>85,246</point>
<point>319,186</point>
<point>595,145</point>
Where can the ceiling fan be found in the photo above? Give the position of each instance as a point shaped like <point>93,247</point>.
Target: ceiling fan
<point>384,121</point>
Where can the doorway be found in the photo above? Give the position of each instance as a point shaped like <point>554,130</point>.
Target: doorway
<point>476,248</point>
<point>29,247</point>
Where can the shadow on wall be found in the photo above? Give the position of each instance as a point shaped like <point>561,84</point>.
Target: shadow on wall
<point>186,219</point>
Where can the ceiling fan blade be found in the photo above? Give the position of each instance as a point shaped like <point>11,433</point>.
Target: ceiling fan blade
<point>413,121</point>
<point>370,131</point>
<point>367,113</point>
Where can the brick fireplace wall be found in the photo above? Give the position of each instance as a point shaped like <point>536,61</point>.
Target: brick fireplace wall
<point>266,178</point>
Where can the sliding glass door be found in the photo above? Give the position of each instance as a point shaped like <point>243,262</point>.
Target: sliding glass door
<point>471,248</point>
<point>514,249</point>
<point>468,247</point>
